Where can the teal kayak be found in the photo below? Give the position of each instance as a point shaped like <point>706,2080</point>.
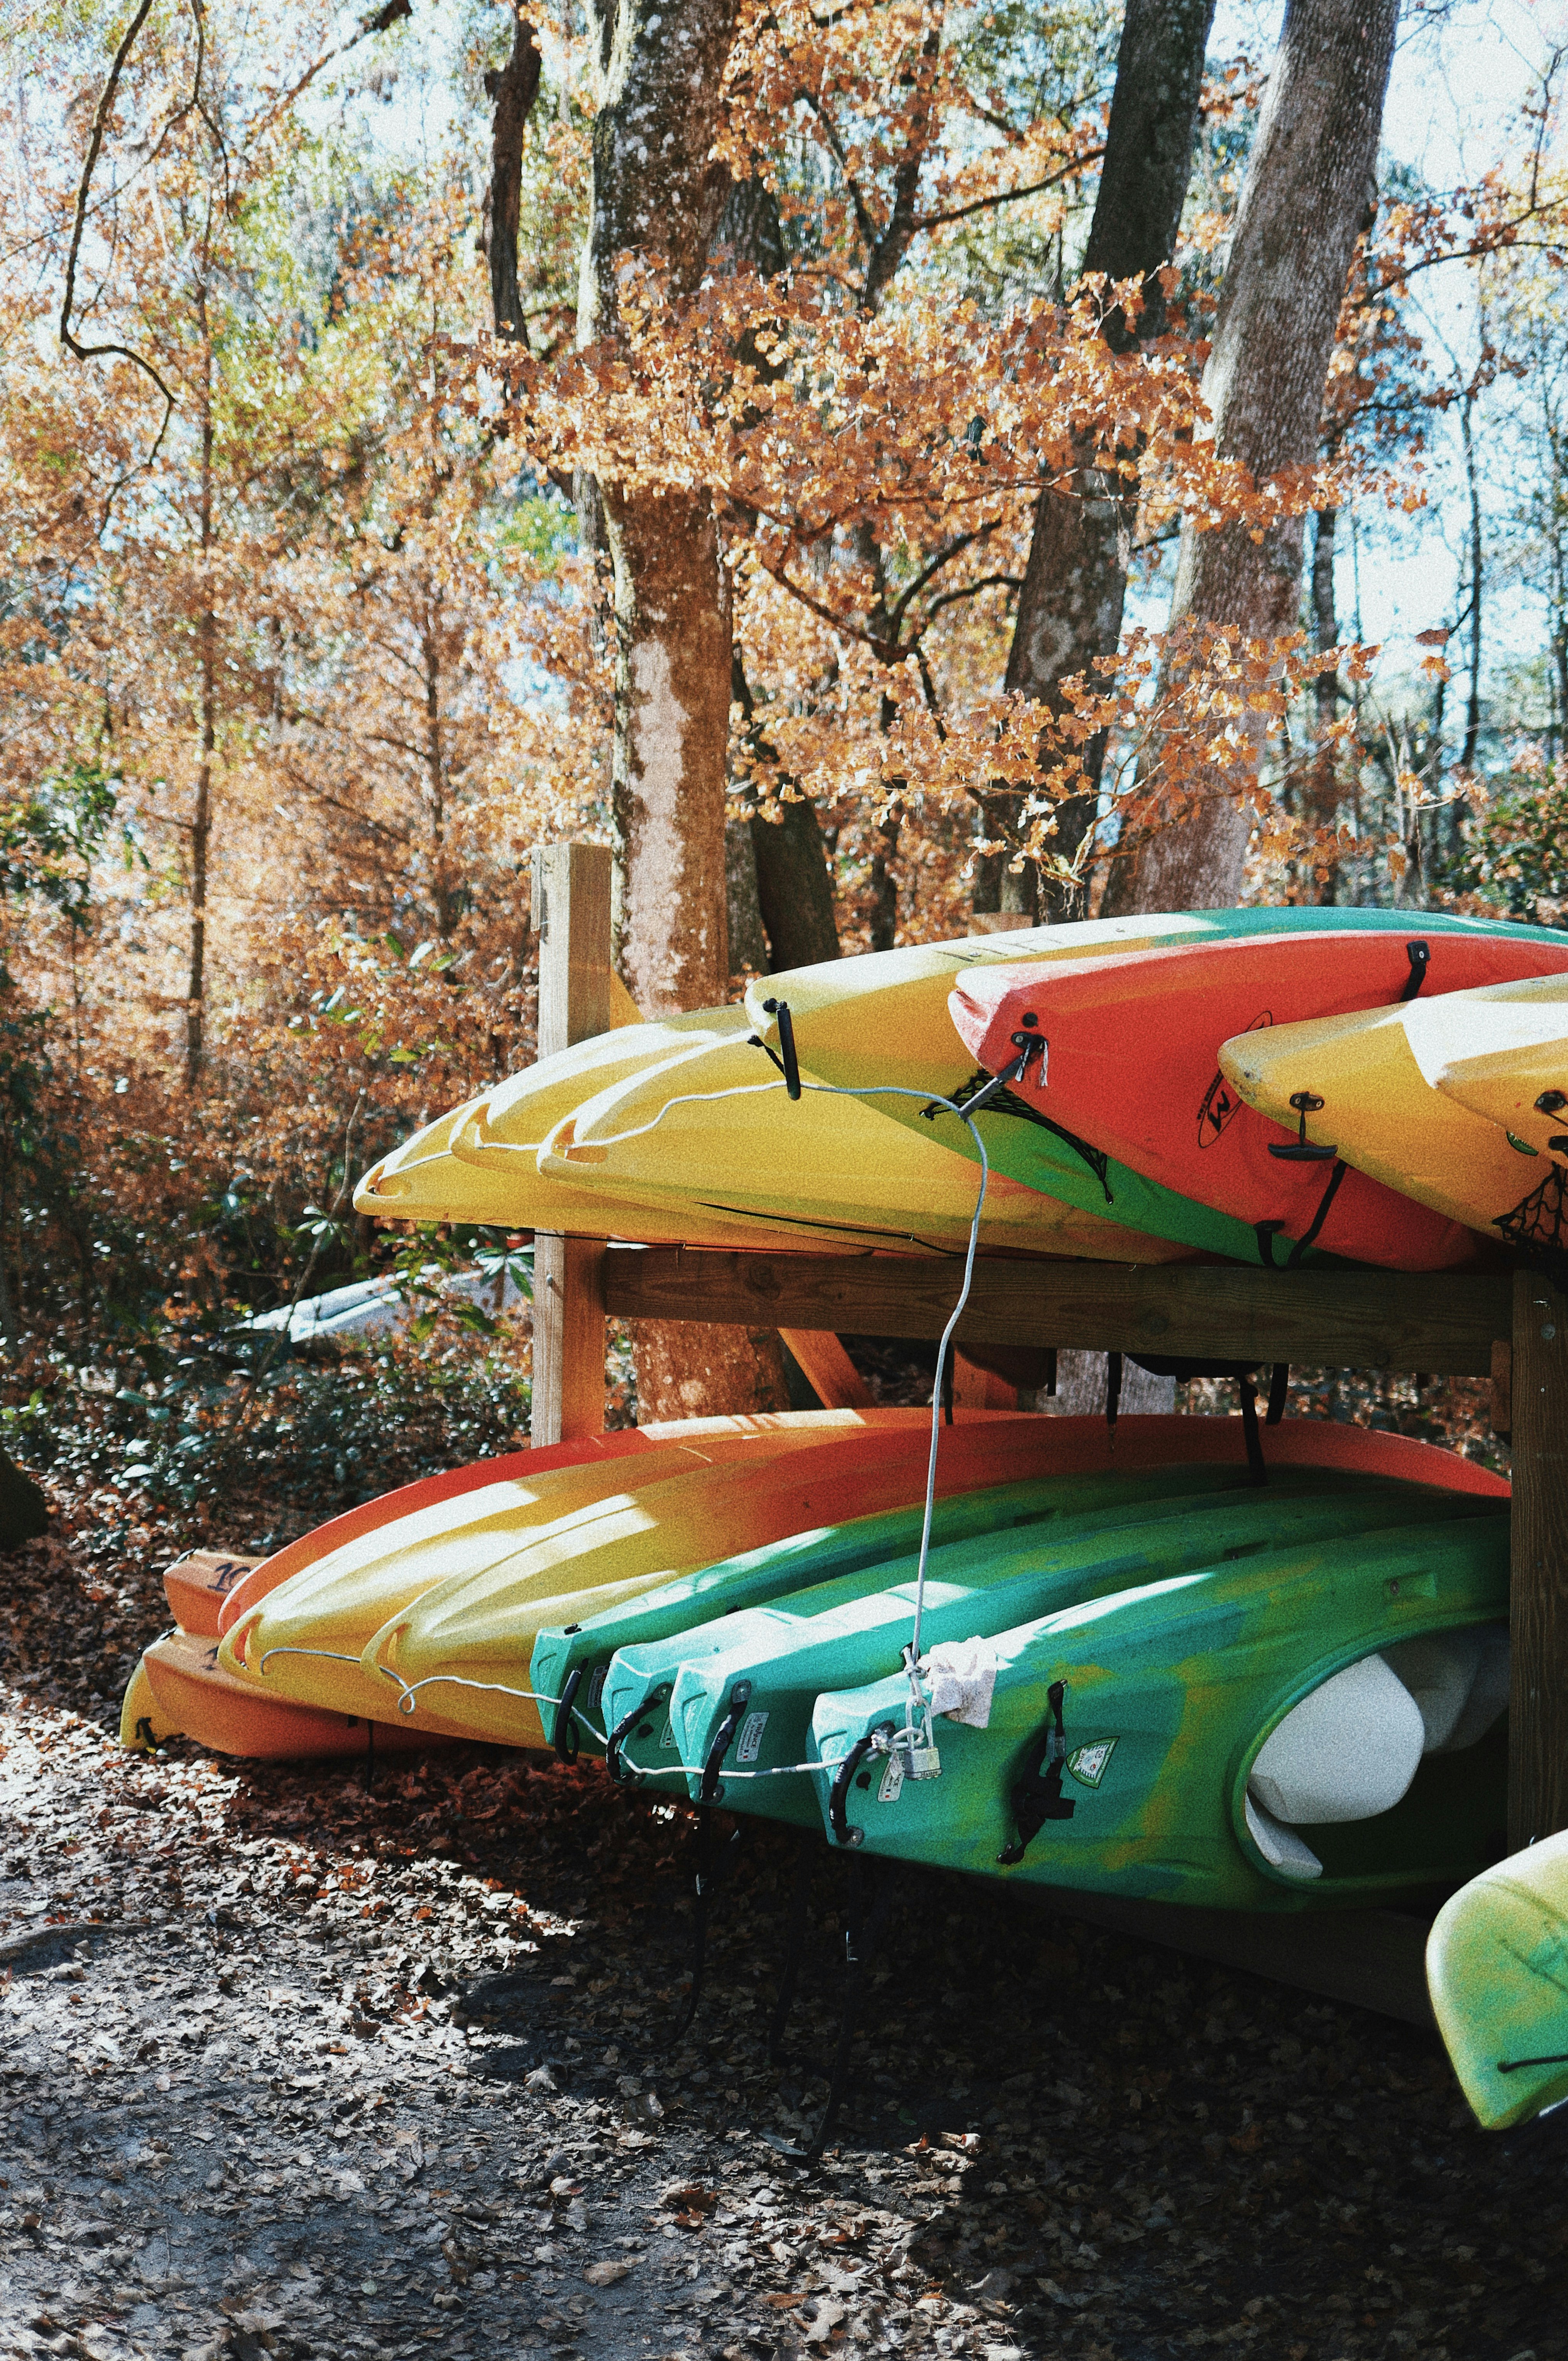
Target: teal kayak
<point>570,1660</point>
<point>1259,1735</point>
<point>731,1702</point>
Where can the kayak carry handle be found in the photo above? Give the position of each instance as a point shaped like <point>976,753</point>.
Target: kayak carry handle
<point>1036,1798</point>
<point>875,1742</point>
<point>565,1734</point>
<point>1300,1150</point>
<point>788,1063</point>
<point>739,1698</point>
<point>1420,957</point>
<point>624,1772</point>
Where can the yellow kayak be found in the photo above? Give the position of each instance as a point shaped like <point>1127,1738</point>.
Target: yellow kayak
<point>1357,1084</point>
<point>713,1131</point>
<point>1502,1053</point>
<point>461,1655</point>
<point>1498,1973</point>
<point>479,1163</point>
<point>304,1639</point>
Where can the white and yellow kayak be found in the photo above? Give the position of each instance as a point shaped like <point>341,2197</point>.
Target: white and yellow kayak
<point>480,1162</point>
<point>1503,1054</point>
<point>712,1133</point>
<point>1354,1085</point>
<point>303,1639</point>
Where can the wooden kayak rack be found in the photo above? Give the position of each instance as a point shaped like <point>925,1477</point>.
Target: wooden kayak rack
<point>1509,1327</point>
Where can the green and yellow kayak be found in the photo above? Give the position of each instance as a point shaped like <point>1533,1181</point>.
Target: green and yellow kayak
<point>1497,1972</point>
<point>770,1665</point>
<point>1255,1735</point>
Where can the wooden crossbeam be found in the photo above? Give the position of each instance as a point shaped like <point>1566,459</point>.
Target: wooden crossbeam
<point>1445,1324</point>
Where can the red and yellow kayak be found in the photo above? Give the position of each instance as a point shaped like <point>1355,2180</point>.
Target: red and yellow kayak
<point>1129,1062</point>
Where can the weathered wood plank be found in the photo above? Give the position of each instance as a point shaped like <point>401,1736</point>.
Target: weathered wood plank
<point>1538,1712</point>
<point>826,1367</point>
<point>1368,1320</point>
<point>572,914</point>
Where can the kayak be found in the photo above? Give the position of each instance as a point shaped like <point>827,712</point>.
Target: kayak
<point>464,1650</point>
<point>451,1172</point>
<point>572,1661</point>
<point>713,1132</point>
<point>1503,1056</point>
<point>1122,1054</point>
<point>1233,1737</point>
<point>883,1018</point>
<point>1498,1973</point>
<point>181,1689</point>
<point>1359,1090</point>
<point>197,1586</point>
<point>1061,1447</point>
<point>737,1695</point>
<point>452,1591</point>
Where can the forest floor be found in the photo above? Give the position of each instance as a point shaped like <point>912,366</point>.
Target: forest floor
<point>365,2070</point>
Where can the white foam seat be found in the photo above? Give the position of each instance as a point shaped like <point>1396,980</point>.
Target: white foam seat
<point>1488,1697</point>
<point>1439,1668</point>
<point>1346,1752</point>
<point>1280,1846</point>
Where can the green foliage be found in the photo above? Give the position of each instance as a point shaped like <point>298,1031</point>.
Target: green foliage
<point>1515,848</point>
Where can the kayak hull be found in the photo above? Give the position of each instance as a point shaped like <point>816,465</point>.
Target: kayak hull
<point>1168,1695</point>
<point>1498,1973</point>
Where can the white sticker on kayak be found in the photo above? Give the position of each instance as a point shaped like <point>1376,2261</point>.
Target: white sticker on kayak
<point>596,1685</point>
<point>892,1782</point>
<point>749,1743</point>
<point>1087,1764</point>
<point>667,1735</point>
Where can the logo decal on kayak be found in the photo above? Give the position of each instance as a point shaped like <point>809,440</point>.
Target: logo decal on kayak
<point>1086,1764</point>
<point>749,1743</point>
<point>596,1685</point>
<point>1219,1101</point>
<point>892,1782</point>
<point>667,1735</point>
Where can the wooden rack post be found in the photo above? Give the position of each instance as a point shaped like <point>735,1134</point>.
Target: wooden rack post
<point>572,918</point>
<point>1538,1707</point>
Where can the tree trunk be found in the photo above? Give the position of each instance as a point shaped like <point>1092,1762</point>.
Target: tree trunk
<point>201,818</point>
<point>1310,186</point>
<point>794,882</point>
<point>1070,607</point>
<point>513,90</point>
<point>1477,554</point>
<point>662,65</point>
<point>1324,780</point>
<point>661,72</point>
<point>795,890</point>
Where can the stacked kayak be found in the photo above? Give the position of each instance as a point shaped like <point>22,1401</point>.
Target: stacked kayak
<point>1497,1972</point>
<point>1125,1137</point>
<point>1168,1683</point>
<point>418,1612</point>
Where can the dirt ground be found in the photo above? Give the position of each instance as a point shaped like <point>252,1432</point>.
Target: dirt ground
<point>362,2071</point>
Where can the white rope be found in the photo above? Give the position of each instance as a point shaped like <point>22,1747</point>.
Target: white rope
<point>408,1690</point>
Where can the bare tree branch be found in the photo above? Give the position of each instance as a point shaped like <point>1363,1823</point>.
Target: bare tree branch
<point>95,146</point>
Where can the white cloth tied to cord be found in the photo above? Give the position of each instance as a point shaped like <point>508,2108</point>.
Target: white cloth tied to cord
<point>959,1677</point>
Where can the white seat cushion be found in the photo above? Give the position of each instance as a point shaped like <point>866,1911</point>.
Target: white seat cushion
<point>1346,1752</point>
